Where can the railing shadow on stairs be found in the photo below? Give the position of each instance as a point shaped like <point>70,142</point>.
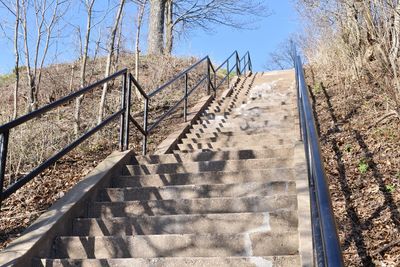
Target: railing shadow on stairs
<point>240,66</point>
<point>327,250</point>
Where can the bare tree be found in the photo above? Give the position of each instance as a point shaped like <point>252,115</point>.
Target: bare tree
<point>139,20</point>
<point>363,39</point>
<point>111,49</point>
<point>184,15</point>
<point>281,58</point>
<point>16,51</point>
<point>45,24</point>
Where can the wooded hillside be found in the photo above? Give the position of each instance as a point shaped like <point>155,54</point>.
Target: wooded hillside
<point>351,49</point>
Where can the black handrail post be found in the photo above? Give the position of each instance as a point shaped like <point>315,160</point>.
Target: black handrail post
<point>145,117</point>
<point>208,76</point>
<point>227,70</point>
<point>186,97</point>
<point>237,64</point>
<point>250,64</point>
<point>245,65</point>
<point>123,114</point>
<point>3,160</point>
<point>127,111</point>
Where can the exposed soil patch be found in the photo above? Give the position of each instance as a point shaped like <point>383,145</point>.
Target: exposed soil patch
<point>362,161</point>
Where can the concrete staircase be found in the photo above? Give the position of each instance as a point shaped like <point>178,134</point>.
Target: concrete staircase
<point>227,196</point>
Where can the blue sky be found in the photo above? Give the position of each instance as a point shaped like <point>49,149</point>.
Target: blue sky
<point>269,32</point>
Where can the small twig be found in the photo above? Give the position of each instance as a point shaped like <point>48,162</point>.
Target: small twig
<point>385,247</point>
<point>384,117</point>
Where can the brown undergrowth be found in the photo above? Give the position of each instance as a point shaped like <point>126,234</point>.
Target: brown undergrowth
<point>362,161</point>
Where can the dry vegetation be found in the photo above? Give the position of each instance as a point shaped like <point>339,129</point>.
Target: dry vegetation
<point>33,142</point>
<point>354,81</point>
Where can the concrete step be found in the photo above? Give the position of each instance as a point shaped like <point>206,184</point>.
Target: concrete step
<point>193,245</point>
<point>192,206</point>
<point>208,166</point>
<point>248,124</point>
<point>225,223</point>
<point>250,140</point>
<point>242,131</point>
<point>266,175</point>
<point>216,156</point>
<point>197,191</point>
<point>242,110</point>
<point>239,118</point>
<point>223,146</point>
<point>273,261</point>
<point>240,136</point>
<point>267,105</point>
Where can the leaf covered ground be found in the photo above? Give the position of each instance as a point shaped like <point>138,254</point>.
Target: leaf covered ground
<point>362,161</point>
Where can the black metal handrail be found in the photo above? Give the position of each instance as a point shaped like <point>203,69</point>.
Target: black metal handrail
<point>211,84</point>
<point>123,113</point>
<point>325,238</point>
<point>6,128</point>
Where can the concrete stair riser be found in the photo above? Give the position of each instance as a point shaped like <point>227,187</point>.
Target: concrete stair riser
<point>244,130</point>
<point>205,245</point>
<point>232,146</point>
<point>224,137</point>
<point>246,124</point>
<point>225,223</point>
<point>214,156</point>
<point>232,141</point>
<point>197,191</point>
<point>208,166</point>
<point>276,261</point>
<point>192,206</point>
<point>267,175</point>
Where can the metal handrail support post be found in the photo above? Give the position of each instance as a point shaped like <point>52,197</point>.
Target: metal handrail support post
<point>250,64</point>
<point>208,77</point>
<point>122,128</point>
<point>237,64</point>
<point>228,72</point>
<point>128,112</point>
<point>145,118</point>
<point>296,69</point>
<point>185,105</point>
<point>3,159</point>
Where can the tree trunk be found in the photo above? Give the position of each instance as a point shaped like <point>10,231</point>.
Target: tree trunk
<point>109,58</point>
<point>393,54</point>
<point>137,41</point>
<point>169,27</point>
<point>16,69</point>
<point>78,101</point>
<point>156,27</point>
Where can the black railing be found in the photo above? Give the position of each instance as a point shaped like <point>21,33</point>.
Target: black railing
<point>210,77</point>
<point>6,128</point>
<point>123,113</point>
<point>326,243</point>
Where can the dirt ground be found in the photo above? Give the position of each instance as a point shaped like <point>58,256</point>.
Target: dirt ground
<point>362,161</point>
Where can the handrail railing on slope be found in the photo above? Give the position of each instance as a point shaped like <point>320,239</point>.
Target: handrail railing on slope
<point>5,129</point>
<point>210,77</point>
<point>123,113</point>
<point>326,243</point>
